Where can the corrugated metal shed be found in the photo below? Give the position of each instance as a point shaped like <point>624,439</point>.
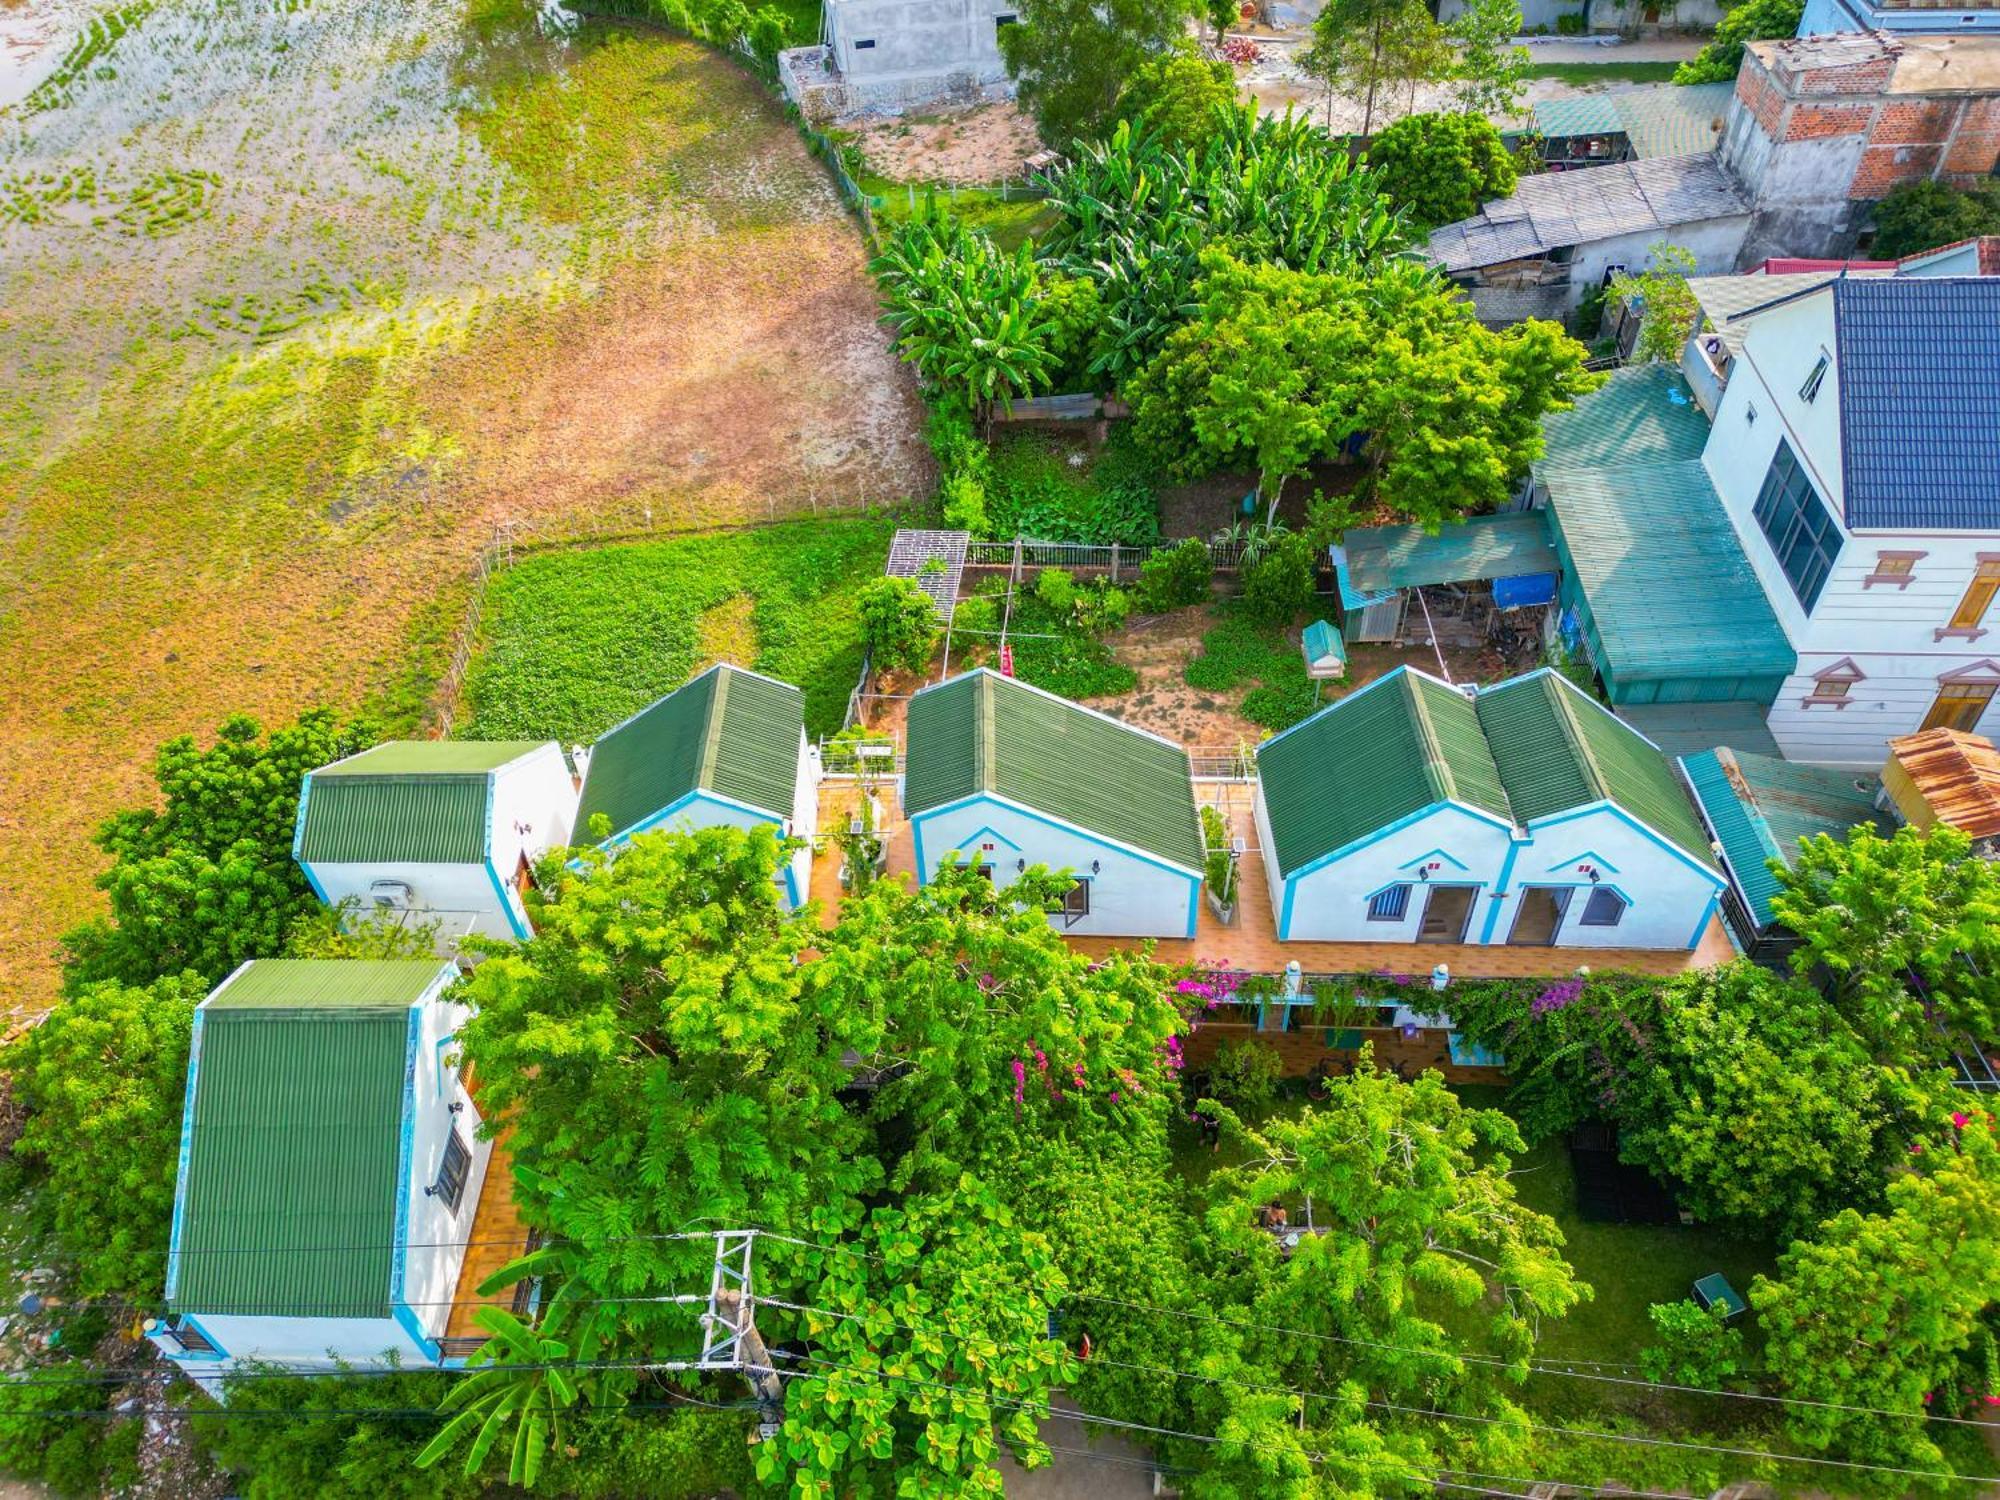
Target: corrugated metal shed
<point>1558,209</point>
<point>1946,776</point>
<point>1647,542</point>
<point>728,731</point>
<point>1761,806</point>
<point>1404,743</point>
<point>1919,371</point>
<point>981,732</point>
<point>1380,558</point>
<point>1580,114</point>
<point>289,1203</point>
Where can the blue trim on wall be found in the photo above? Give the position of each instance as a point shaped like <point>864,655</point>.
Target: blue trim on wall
<point>1707,915</point>
<point>299,822</point>
<point>1589,854</point>
<point>1285,911</point>
<point>792,884</point>
<point>1357,845</point>
<point>1499,891</point>
<point>923,870</point>
<point>1194,906</point>
<point>996,833</point>
<point>1449,858</point>
<point>437,1050</point>
<point>514,923</point>
<point>220,1352</point>
<point>1034,817</point>
<point>1636,826</point>
<point>406,1319</point>
<point>187,1147</point>
<point>405,1151</point>
<point>1389,887</point>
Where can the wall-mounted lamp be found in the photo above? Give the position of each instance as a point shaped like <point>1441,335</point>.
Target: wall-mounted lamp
<point>457,1106</point>
<point>1096,867</point>
<point>1020,864</point>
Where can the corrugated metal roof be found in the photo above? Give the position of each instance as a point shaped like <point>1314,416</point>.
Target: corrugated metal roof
<point>1919,372</point>
<point>1556,209</point>
<point>1402,744</point>
<point>432,758</point>
<point>1479,547</point>
<point>429,819</point>
<point>1761,806</point>
<point>1955,775</point>
<point>728,731</point>
<point>1672,119</point>
<point>1580,114</point>
<point>1683,728</point>
<point>288,1205</point>
<point>982,732</point>
<point>314,983</point>
<point>1670,592</point>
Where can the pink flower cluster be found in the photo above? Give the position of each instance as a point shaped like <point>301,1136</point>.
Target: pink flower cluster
<point>1563,992</point>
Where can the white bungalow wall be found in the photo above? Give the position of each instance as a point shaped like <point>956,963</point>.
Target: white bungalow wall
<point>534,809</point>
<point>461,899</point>
<point>1130,895</point>
<point>1888,630</point>
<point>700,810</point>
<point>436,1241</point>
<point>1671,899</point>
<point>1330,904</point>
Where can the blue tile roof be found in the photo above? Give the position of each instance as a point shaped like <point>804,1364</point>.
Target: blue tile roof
<point>1919,400</point>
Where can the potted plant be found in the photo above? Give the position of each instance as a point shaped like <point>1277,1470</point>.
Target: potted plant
<point>1219,866</point>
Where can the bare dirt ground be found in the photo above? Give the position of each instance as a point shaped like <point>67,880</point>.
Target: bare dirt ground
<point>1157,647</point>
<point>971,146</point>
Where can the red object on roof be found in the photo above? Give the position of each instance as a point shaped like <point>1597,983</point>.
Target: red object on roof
<point>1789,265</point>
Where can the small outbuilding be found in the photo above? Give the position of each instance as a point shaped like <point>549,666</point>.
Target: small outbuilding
<point>436,831</point>
<point>1414,811</point>
<point>330,1166</point>
<point>1002,776</point>
<point>1477,566</point>
<point>728,749</point>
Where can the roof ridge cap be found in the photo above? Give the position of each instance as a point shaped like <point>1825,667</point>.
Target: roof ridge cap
<point>1439,772</point>
<point>1559,693</point>
<point>711,740</point>
<point>984,736</point>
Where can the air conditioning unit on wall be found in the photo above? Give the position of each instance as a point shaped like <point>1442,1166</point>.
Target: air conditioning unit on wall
<point>390,895</point>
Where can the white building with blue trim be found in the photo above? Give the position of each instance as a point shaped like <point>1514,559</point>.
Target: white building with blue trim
<point>330,1167</point>
<point>1003,777</point>
<point>436,831</point>
<point>726,750</point>
<point>1414,811</point>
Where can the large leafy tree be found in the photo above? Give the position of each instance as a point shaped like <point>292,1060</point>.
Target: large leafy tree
<point>1748,21</point>
<point>1876,1309</point>
<point>1367,47</point>
<point>1491,72</point>
<point>1661,291</point>
<point>1904,932</point>
<point>1424,1256</point>
<point>1440,168</point>
<point>1070,58</point>
<point>1923,215</point>
<point>102,1081</point>
<point>1180,97</point>
<point>206,879</point>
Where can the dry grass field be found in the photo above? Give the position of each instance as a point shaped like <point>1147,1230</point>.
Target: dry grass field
<point>304,301</point>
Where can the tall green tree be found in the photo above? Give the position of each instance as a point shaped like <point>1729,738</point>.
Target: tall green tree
<point>206,879</point>
<point>1372,47</point>
<point>1872,913</point>
<point>102,1081</point>
<point>1748,21</point>
<point>1070,58</point>
<point>1923,215</point>
<point>1441,168</point>
<point>1875,1310</point>
<point>1661,291</point>
<point>1180,97</point>
<point>1491,72</point>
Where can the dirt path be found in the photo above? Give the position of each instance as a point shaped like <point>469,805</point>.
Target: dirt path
<point>428,276</point>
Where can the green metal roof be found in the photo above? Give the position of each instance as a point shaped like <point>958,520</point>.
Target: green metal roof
<point>288,1203</point>
<point>431,758</point>
<point>984,733</point>
<point>1760,807</point>
<point>1581,114</point>
<point>1322,643</point>
<point>1559,749</point>
<point>1479,547</point>
<point>1646,539</point>
<point>319,983</point>
<point>731,732</point>
<point>429,820</point>
<point>1404,743</point>
<point>1671,119</point>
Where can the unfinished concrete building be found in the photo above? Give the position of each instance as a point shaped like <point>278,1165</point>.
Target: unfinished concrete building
<point>883,56</point>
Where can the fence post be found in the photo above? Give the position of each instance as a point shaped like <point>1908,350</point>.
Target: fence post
<point>1114,562</point>
<point>1014,578</point>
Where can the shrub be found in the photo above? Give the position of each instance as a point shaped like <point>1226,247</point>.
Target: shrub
<point>81,1455</point>
<point>1176,577</point>
<point>1221,864</point>
<point>1440,168</point>
<point>899,624</point>
<point>963,463</point>
<point>1051,487</point>
<point>767,33</point>
<point>1103,609</point>
<point>1691,1347</point>
<point>1245,1076</point>
<point>978,616</point>
<point>1236,652</point>
<point>1280,583</point>
<point>1923,215</point>
<point>1057,589</point>
<point>964,500</point>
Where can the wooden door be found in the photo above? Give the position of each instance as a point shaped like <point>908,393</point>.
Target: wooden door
<point>1446,912</point>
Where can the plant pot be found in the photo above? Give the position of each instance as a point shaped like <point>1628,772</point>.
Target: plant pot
<point>1225,912</point>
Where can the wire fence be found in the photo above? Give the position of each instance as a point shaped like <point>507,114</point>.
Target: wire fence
<point>1114,558</point>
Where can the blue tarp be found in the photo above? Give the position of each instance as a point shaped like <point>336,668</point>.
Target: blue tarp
<point>1528,589</point>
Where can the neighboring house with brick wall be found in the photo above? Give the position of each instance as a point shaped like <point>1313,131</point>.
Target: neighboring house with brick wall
<point>1822,127</point>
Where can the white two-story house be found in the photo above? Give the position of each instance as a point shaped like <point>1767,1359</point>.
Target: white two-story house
<point>1856,449</point>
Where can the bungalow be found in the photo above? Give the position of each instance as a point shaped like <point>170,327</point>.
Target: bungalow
<point>1523,814</point>
<point>441,831</point>
<point>330,1165</point>
<point>727,749</point>
<point>1003,775</point>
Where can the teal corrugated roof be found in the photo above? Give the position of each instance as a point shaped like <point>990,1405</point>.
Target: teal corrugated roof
<point>1671,594</point>
<point>1760,807</point>
<point>1581,114</point>
<point>728,731</point>
<point>1671,119</point>
<point>1321,643</point>
<point>1398,746</point>
<point>986,733</point>
<point>1479,547</point>
<point>288,1206</point>
<point>428,820</point>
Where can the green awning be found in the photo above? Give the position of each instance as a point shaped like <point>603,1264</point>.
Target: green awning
<point>1472,550</point>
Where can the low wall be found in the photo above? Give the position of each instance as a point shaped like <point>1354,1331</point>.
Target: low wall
<point>1302,1052</point>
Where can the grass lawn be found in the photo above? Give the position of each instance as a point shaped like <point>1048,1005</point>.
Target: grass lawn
<point>1583,74</point>
<point>573,642</point>
<point>1011,222</point>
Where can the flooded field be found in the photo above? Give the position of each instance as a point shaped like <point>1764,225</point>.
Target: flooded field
<point>300,300</point>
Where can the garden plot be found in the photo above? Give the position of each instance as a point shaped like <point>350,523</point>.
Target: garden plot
<point>307,302</point>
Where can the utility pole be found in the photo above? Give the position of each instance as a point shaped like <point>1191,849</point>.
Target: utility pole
<point>730,1340</point>
<point>754,1359</point>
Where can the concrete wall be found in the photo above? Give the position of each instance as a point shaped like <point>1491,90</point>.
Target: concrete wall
<point>1716,244</point>
<point>435,1242</point>
<point>534,808</point>
<point>876,41</point>
<point>1131,895</point>
<point>1888,630</point>
<point>459,898</point>
<point>805,821</point>
<point>706,810</point>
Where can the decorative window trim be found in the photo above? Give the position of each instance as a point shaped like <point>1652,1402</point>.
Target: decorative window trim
<point>1986,570</point>
<point>1842,674</point>
<point>1900,580</point>
<point>1984,673</point>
